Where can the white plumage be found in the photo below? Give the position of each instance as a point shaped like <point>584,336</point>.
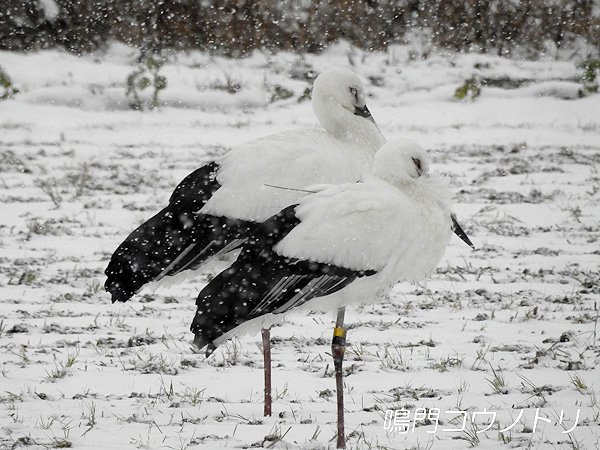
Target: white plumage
<point>394,213</point>
<point>215,208</point>
<point>341,152</point>
<point>342,244</point>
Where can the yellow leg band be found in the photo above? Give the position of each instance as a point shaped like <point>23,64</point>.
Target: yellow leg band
<point>339,332</point>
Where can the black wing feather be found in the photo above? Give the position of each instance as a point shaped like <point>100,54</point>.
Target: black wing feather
<point>175,239</point>
<point>262,282</point>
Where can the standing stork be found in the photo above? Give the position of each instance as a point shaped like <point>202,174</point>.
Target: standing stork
<point>340,245</point>
<point>214,209</point>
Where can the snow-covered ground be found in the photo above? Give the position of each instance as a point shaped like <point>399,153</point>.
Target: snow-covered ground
<point>500,349</point>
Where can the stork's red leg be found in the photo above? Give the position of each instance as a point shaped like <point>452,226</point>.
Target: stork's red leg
<point>266,341</point>
<point>338,346</point>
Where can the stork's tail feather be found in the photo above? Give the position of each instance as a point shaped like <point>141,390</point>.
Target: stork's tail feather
<point>201,342</point>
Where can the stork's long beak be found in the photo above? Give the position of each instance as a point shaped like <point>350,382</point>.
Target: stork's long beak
<point>460,232</point>
<point>363,112</point>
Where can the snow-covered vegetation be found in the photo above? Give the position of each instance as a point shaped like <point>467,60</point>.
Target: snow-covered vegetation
<point>499,349</point>
<point>238,27</point>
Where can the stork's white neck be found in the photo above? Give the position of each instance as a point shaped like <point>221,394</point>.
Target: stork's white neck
<point>347,127</point>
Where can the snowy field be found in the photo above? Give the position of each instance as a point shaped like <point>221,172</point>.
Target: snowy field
<point>499,350</point>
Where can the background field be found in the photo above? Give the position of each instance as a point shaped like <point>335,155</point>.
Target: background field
<point>509,330</point>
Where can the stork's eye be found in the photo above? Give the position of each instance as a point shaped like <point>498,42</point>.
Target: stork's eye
<point>417,162</point>
<point>354,92</point>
